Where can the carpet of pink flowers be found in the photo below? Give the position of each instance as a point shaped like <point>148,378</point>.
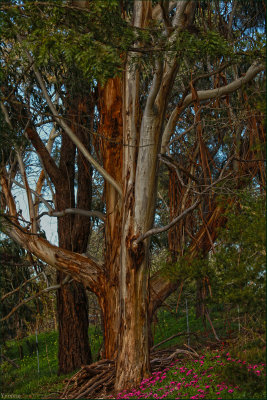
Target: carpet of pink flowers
<point>196,380</point>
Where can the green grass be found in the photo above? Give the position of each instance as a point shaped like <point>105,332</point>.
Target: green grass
<point>26,382</point>
<point>171,323</point>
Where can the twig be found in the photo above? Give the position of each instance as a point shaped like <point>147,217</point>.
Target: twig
<point>10,361</point>
<point>154,231</point>
<point>212,327</point>
<point>186,345</point>
<point>21,286</point>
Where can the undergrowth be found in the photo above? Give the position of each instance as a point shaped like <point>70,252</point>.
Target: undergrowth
<point>216,374</point>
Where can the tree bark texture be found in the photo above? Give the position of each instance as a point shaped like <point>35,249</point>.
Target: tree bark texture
<point>111,144</point>
<point>73,233</point>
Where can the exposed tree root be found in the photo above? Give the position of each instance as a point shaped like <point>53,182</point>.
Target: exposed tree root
<point>97,380</point>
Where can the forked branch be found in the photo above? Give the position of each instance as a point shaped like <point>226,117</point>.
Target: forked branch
<point>68,130</point>
<point>155,231</point>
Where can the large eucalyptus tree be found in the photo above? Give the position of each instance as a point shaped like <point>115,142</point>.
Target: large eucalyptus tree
<point>166,54</point>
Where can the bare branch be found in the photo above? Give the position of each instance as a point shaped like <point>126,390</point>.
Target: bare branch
<point>68,130</point>
<point>20,287</point>
<point>41,292</point>
<point>5,112</point>
<point>203,95</point>
<point>29,196</point>
<point>9,361</point>
<point>154,231</point>
<point>36,194</point>
<point>76,211</point>
<point>231,17</point>
<point>52,137</point>
<point>164,4</point>
<point>171,163</point>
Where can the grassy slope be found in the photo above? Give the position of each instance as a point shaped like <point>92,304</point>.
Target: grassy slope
<point>27,383</point>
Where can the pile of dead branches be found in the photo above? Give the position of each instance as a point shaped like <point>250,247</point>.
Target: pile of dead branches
<point>92,381</point>
<point>97,380</point>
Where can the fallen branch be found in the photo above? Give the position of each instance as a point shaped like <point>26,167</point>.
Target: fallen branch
<point>168,339</point>
<point>10,361</point>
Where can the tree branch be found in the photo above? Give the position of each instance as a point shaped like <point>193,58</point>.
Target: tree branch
<point>157,13</point>
<point>203,95</point>
<point>7,194</point>
<point>36,194</point>
<point>76,211</point>
<point>32,135</point>
<point>160,288</point>
<point>20,287</point>
<point>154,231</point>
<point>80,268</point>
<point>157,78</point>
<point>68,130</point>
<point>28,192</point>
<point>180,8</point>
<point>173,164</point>
<point>46,290</point>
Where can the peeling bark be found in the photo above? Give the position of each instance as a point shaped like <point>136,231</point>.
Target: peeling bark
<point>111,130</point>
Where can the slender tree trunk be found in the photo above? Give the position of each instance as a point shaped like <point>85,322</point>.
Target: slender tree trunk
<point>72,311</point>
<point>73,233</point>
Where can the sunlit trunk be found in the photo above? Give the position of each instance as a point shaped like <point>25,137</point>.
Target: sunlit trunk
<point>111,131</point>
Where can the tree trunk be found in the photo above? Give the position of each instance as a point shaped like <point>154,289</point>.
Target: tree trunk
<point>73,233</point>
<point>133,358</point>
<point>111,130</point>
<point>72,312</point>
